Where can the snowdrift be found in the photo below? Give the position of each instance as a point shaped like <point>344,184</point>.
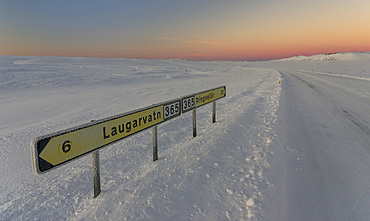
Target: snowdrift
<point>349,56</point>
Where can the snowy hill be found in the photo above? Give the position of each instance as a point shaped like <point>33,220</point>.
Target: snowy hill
<point>235,169</point>
<point>346,56</point>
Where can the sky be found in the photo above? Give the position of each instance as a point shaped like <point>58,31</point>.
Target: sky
<point>191,29</point>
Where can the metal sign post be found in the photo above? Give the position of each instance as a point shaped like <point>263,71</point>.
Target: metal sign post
<point>194,123</point>
<point>214,112</point>
<point>96,173</point>
<point>155,143</point>
<point>191,102</point>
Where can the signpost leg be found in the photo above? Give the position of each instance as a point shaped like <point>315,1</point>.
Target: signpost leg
<point>96,173</point>
<point>194,123</point>
<point>214,112</point>
<point>155,143</point>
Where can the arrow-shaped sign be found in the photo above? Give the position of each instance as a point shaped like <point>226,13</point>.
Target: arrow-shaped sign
<point>55,149</point>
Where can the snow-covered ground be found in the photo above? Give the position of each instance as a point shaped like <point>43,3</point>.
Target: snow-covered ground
<point>255,163</point>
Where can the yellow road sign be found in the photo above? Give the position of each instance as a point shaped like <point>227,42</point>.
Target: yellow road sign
<point>209,96</point>
<point>55,149</point>
<point>196,100</point>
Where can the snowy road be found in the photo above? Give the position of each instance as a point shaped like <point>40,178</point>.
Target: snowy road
<point>325,131</point>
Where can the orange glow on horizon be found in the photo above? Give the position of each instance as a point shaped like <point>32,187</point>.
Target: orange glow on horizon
<point>243,31</point>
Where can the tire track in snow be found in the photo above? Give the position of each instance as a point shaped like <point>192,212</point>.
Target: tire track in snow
<point>363,128</point>
<point>326,175</point>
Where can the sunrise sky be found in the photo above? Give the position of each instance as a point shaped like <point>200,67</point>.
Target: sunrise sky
<point>191,29</point>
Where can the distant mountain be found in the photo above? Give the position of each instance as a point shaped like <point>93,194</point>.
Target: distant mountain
<point>343,56</point>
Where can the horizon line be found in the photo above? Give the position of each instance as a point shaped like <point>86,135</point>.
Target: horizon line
<point>192,59</point>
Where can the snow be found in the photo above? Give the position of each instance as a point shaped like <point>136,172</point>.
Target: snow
<point>349,56</point>
<point>326,141</point>
<point>249,165</point>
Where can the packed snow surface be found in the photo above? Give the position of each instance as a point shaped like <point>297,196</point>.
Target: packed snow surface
<point>298,150</point>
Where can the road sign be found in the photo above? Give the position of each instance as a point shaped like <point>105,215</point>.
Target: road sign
<point>196,100</point>
<point>56,149</point>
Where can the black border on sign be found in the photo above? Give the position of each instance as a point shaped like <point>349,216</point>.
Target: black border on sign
<point>193,95</point>
<point>180,108</point>
<point>41,166</point>
<point>183,98</point>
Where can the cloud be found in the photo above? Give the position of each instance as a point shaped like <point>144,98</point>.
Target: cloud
<point>191,41</point>
<point>210,42</point>
<point>167,39</point>
<point>196,42</point>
